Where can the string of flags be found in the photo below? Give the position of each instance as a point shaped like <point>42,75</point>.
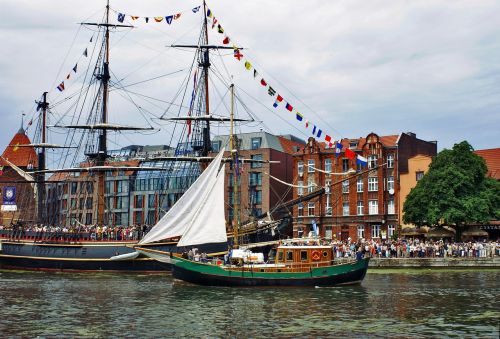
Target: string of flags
<point>61,87</point>
<point>159,18</point>
<point>317,132</point>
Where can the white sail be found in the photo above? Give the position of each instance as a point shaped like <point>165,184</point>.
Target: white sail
<point>208,225</point>
<point>177,219</point>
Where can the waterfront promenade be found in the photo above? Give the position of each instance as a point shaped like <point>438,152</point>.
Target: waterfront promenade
<point>447,262</point>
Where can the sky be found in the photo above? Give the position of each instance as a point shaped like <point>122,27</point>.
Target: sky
<point>350,67</point>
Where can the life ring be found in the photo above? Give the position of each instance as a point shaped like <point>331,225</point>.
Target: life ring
<point>315,255</point>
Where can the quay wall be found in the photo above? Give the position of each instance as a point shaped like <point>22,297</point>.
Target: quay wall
<point>434,262</point>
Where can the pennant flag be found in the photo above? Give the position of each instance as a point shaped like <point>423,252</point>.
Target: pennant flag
<point>237,54</point>
<point>338,148</point>
<point>92,37</point>
<point>214,21</point>
<point>169,19</point>
<point>220,29</point>
<point>299,116</point>
<point>271,91</point>
<point>307,123</point>
<point>314,130</point>
<point>74,68</point>
<point>121,17</point>
<point>289,107</point>
<point>134,17</point>
<point>275,104</point>
<point>362,161</point>
<point>67,76</point>
<point>263,82</point>
<point>350,154</point>
<point>30,122</point>
<point>146,19</point>
<point>328,139</point>
<point>248,65</point>
<point>209,13</point>
<point>158,18</point>
<point>255,73</point>
<point>61,87</point>
<point>225,41</point>
<point>279,98</point>
<point>196,9</point>
<point>319,133</point>
<point>177,16</point>
<point>85,53</point>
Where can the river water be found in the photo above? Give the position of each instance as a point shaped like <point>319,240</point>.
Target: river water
<point>389,303</point>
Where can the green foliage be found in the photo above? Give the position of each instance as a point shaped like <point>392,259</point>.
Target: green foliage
<point>454,190</point>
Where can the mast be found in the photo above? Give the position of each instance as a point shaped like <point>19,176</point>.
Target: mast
<point>207,146</point>
<point>234,157</point>
<point>40,177</point>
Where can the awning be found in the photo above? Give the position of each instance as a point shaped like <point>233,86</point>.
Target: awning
<point>475,232</point>
<point>440,232</point>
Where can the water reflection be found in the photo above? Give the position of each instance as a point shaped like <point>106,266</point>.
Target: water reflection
<point>396,304</point>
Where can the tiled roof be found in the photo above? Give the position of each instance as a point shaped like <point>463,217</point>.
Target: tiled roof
<point>20,156</point>
<point>492,158</point>
<point>289,146</point>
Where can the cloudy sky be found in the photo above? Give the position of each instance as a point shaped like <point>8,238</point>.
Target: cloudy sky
<point>352,67</point>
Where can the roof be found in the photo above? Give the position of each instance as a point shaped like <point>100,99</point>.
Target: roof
<point>20,156</point>
<point>267,140</point>
<point>492,158</point>
<point>289,146</point>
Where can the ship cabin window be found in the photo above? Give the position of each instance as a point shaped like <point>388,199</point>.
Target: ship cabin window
<point>303,255</point>
<point>289,255</point>
<point>280,255</point>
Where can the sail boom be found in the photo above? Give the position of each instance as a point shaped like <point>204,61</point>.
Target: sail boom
<point>204,118</point>
<point>105,127</point>
<point>101,169</point>
<point>204,46</point>
<point>45,145</point>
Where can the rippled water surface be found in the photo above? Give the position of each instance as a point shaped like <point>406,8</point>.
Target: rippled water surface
<point>395,303</point>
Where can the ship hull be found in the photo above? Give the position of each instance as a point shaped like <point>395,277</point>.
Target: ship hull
<point>211,275</point>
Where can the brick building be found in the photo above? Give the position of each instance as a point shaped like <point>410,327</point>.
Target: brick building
<point>26,159</point>
<point>365,203</point>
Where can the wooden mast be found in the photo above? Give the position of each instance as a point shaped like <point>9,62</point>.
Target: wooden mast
<point>234,156</point>
<point>40,177</point>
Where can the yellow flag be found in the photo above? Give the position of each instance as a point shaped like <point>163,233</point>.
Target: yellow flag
<point>248,65</point>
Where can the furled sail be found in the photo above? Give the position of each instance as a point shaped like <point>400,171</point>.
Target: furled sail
<point>208,224</point>
<point>175,222</point>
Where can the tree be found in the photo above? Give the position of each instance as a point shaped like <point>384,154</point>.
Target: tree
<point>454,191</point>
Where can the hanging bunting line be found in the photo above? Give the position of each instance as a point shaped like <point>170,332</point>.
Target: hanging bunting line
<point>121,17</point>
<point>317,132</point>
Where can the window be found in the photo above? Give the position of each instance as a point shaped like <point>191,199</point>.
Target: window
<point>310,166</point>
<point>390,207</point>
<point>257,157</point>
<point>390,183</point>
<point>82,202</point>
<point>300,168</point>
<point>300,189</point>
<point>108,187</point>
<point>328,206</point>
<point>310,209</point>
<point>391,230</point>
<point>353,144</point>
<point>345,208</point>
<point>345,165</point>
<point>151,218</point>
<point>375,231</point>
<point>328,184</point>
<point>345,186</point>
<point>255,178</point>
<point>230,180</point>
<point>280,256</point>
<point>359,184</point>
<point>328,232</point>
<point>300,210</point>
<point>256,197</point>
<point>372,207</point>
<point>90,187</point>
<point>74,187</point>
<point>216,146</point>
<point>88,203</point>
<point>119,202</point>
<point>390,160</point>
<point>256,143</point>
<point>310,184</point>
<point>372,161</point>
<point>88,219</point>
<point>73,203</point>
<point>289,255</point>
<point>328,165</point>
<point>139,201</point>
<point>303,255</point>
<point>419,175</point>
<point>359,208</point>
<point>372,184</point>
<point>361,231</point>
<point>138,217</point>
<point>151,200</point>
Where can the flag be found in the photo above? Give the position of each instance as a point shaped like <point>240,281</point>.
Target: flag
<point>61,87</point>
<point>362,161</point>
<point>85,53</point>
<point>30,122</point>
<point>158,18</point>
<point>134,17</point>
<point>299,116</point>
<point>196,9</point>
<point>289,107</point>
<point>328,138</point>
<point>271,91</point>
<point>67,76</point>
<point>92,37</point>
<point>307,123</point>
<point>225,41</point>
<point>350,154</point>
<point>237,54</point>
<point>318,135</point>
<point>209,13</point>
<point>220,29</point>
<point>255,73</point>
<point>214,21</point>
<point>279,98</point>
<point>263,82</point>
<point>121,17</point>
<point>314,130</point>
<point>74,68</point>
<point>169,19</point>
<point>338,148</point>
<point>147,19</point>
<point>177,16</point>
<point>248,65</point>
